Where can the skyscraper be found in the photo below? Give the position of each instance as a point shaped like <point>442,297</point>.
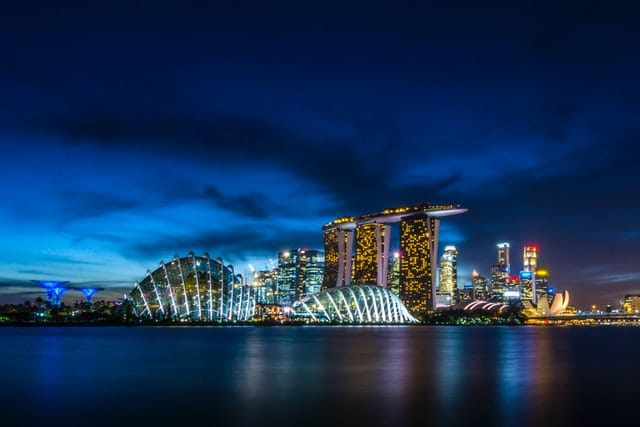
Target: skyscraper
<point>530,258</point>
<point>299,273</point>
<point>418,248</point>
<point>500,272</point>
<point>372,253</point>
<point>393,283</point>
<point>287,277</point>
<point>503,256</point>
<point>313,263</point>
<point>542,285</point>
<point>338,250</point>
<point>418,244</point>
<point>528,275</point>
<point>448,278</point>
<point>480,286</point>
<point>265,286</point>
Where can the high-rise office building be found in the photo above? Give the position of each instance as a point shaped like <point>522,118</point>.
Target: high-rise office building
<point>503,256</point>
<point>264,285</point>
<point>500,273</point>
<point>313,263</point>
<point>393,282</point>
<point>631,304</point>
<point>526,286</point>
<point>448,277</point>
<point>418,244</point>
<point>299,271</point>
<point>287,276</point>
<point>542,285</point>
<point>465,294</point>
<point>530,258</point>
<point>528,275</point>
<point>480,286</point>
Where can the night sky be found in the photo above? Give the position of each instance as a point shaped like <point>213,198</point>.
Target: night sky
<point>134,132</point>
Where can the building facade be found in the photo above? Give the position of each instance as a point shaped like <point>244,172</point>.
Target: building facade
<point>418,249</point>
<point>530,258</point>
<point>480,286</point>
<point>448,273</point>
<point>299,273</point>
<point>418,245</point>
<point>338,253</point>
<point>265,287</point>
<point>631,304</point>
<point>372,254</point>
<point>193,288</point>
<point>500,273</point>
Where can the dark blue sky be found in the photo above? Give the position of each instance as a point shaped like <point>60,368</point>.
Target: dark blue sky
<point>131,133</point>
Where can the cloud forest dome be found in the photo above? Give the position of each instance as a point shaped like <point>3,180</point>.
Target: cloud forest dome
<point>353,304</point>
<point>195,288</point>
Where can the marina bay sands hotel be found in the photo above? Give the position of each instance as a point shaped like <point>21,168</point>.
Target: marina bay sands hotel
<point>419,229</point>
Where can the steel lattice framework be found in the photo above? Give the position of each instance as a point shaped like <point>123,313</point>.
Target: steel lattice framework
<point>353,304</point>
<point>193,288</point>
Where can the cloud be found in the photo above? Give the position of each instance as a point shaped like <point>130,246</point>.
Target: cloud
<point>235,243</point>
<point>253,205</point>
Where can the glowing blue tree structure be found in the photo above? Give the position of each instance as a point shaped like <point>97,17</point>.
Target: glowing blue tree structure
<point>90,292</point>
<point>54,288</point>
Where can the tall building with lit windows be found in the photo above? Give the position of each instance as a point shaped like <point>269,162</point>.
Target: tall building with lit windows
<point>503,256</point>
<point>500,272</point>
<point>528,275</point>
<point>287,277</point>
<point>448,274</point>
<point>480,286</point>
<point>418,244</point>
<point>393,282</point>
<point>372,254</point>
<point>542,285</point>
<point>338,254</point>
<point>417,255</point>
<point>631,304</point>
<point>264,286</point>
<point>530,258</point>
<point>299,271</point>
<point>312,262</point>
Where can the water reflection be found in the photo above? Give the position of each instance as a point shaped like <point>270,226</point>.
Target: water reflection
<point>449,365</point>
<point>315,376</point>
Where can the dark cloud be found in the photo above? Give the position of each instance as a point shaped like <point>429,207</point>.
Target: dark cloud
<point>248,205</point>
<point>79,204</point>
<point>523,113</point>
<point>231,243</point>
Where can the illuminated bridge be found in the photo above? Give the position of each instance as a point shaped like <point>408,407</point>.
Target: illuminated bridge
<point>193,288</point>
<point>353,304</point>
<point>419,230</point>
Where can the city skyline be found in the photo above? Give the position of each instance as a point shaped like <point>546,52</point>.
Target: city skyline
<point>241,132</point>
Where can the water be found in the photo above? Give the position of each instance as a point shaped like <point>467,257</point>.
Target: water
<point>503,376</point>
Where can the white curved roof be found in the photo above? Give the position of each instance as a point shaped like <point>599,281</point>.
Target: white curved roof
<point>353,304</point>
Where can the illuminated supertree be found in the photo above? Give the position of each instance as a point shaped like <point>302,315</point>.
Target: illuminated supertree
<point>54,288</point>
<point>90,292</point>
